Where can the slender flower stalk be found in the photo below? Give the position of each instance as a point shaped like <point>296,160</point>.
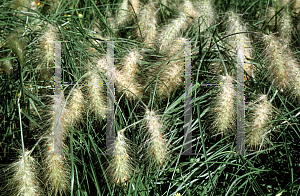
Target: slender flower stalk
<point>224,107</point>
<point>157,145</point>
<point>120,168</point>
<point>262,112</point>
<point>24,180</point>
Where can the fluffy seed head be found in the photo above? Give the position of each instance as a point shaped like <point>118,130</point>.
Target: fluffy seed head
<point>223,107</point>
<point>261,115</point>
<point>174,72</point>
<point>207,12</point>
<point>47,52</point>
<point>57,169</point>
<point>172,31</point>
<point>281,65</point>
<point>286,27</point>
<point>120,168</point>
<point>123,16</point>
<point>134,89</point>
<point>157,143</point>
<point>135,6</point>
<point>188,8</point>
<point>240,41</point>
<point>75,107</point>
<point>147,23</point>
<point>296,6</point>
<point>96,94</point>
<point>131,63</point>
<point>270,17</point>
<point>24,180</point>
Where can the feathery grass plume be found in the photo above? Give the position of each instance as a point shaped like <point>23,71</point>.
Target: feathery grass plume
<point>284,68</point>
<point>15,43</point>
<point>172,30</point>
<point>240,41</point>
<point>120,168</point>
<point>47,52</point>
<point>148,23</point>
<point>262,112</point>
<point>75,106</point>
<point>23,180</point>
<point>57,168</point>
<point>284,3</point>
<point>126,77</point>
<point>130,64</point>
<point>6,66</point>
<point>157,146</point>
<point>135,7</point>
<point>296,6</point>
<point>224,107</point>
<point>270,18</point>
<point>134,89</point>
<point>96,94</point>
<point>24,6</point>
<point>286,27</point>
<point>171,77</point>
<point>188,8</point>
<point>208,13</point>
<point>123,15</point>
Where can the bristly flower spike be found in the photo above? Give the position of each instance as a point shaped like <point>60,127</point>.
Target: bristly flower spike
<point>258,130</point>
<point>157,145</point>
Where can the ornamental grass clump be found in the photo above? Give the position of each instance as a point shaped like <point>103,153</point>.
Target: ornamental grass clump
<point>156,144</point>
<point>23,177</point>
<point>120,168</point>
<point>258,131</point>
<point>223,107</point>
